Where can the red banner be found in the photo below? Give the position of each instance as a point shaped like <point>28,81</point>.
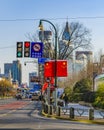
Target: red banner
<point>61,68</point>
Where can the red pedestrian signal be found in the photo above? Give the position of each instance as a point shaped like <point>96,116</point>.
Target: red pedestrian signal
<point>26,49</point>
<point>19,49</point>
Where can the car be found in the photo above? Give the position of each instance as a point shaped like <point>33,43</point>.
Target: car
<point>35,96</point>
<point>18,96</point>
<point>60,103</point>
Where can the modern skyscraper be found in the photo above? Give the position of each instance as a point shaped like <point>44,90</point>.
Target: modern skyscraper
<point>16,70</point>
<point>7,68</point>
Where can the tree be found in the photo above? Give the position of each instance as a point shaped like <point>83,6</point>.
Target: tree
<point>82,86</point>
<point>5,87</point>
<point>99,100</point>
<point>79,38</point>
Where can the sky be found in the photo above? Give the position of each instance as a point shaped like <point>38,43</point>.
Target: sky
<point>19,17</point>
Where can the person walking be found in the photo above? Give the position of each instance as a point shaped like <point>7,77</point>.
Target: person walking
<point>65,98</point>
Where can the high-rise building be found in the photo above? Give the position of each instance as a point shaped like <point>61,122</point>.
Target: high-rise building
<point>45,35</point>
<point>17,73</point>
<point>7,68</point>
<point>16,70</point>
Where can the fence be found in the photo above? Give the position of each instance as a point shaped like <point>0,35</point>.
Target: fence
<point>73,113</point>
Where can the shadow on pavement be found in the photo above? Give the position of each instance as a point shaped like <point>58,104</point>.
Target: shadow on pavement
<point>16,129</point>
<point>34,129</point>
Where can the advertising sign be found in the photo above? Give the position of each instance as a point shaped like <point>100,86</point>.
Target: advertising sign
<point>36,49</point>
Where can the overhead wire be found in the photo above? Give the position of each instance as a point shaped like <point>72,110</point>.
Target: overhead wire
<point>32,19</point>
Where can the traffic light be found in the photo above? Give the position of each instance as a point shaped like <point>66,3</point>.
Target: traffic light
<point>26,49</point>
<point>19,49</point>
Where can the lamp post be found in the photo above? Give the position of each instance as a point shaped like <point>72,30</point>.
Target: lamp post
<point>55,72</point>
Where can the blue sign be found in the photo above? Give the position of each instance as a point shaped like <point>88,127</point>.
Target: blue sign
<point>42,60</point>
<point>36,49</point>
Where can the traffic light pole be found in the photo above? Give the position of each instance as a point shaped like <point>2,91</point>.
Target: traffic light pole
<point>55,72</point>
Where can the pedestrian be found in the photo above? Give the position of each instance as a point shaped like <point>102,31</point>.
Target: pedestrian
<point>65,98</point>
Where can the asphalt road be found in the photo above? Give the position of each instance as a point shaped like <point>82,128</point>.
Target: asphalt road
<point>26,115</point>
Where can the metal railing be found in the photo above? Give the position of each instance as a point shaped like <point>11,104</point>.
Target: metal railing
<point>73,113</point>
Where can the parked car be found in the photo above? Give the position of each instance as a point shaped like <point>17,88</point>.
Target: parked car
<point>60,103</point>
<point>35,96</point>
<point>18,96</point>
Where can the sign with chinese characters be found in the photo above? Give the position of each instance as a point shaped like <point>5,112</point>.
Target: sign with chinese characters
<point>36,49</point>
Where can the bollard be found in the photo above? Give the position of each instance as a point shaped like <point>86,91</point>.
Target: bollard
<point>48,109</point>
<point>58,112</point>
<point>43,107</point>
<point>72,113</point>
<point>91,114</point>
<point>51,109</point>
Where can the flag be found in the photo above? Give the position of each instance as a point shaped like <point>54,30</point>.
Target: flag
<point>61,68</point>
<point>49,69</point>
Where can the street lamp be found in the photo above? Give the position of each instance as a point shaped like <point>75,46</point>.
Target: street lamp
<point>55,73</point>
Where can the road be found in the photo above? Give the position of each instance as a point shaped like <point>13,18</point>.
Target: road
<point>26,115</point>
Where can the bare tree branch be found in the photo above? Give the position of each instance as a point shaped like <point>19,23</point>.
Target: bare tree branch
<point>80,37</point>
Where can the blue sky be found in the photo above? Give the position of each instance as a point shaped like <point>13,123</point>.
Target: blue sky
<point>33,10</point>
